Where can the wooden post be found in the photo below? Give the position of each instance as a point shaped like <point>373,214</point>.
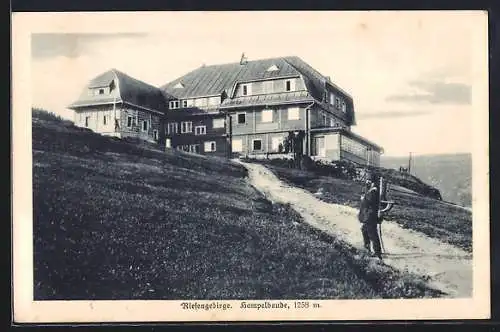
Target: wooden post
<point>229,133</point>
<point>114,112</point>
<point>409,164</point>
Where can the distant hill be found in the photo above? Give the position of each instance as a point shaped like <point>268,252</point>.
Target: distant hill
<point>451,174</point>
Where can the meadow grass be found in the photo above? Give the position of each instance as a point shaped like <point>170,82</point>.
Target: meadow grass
<point>116,220</point>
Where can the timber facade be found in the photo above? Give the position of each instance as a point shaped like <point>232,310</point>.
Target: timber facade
<point>236,109</point>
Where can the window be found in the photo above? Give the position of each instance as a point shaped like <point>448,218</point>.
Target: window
<point>173,104</point>
<point>293,113</point>
<point>186,127</point>
<point>130,121</point>
<point>200,130</point>
<point>267,87</point>
<point>195,148</point>
<point>104,118</point>
<point>237,145</point>
<point>187,103</point>
<point>172,128</point>
<point>218,123</point>
<point>267,116</point>
<point>344,107</point>
<point>337,102</point>
<point>242,118</point>
<point>324,120</point>
<point>101,91</point>
<point>246,89</point>
<point>289,85</point>
<point>209,146</point>
<point>168,143</point>
<point>257,144</point>
<point>332,98</point>
<point>353,147</point>
<point>332,122</point>
<point>155,134</point>
<point>276,142</point>
<point>87,118</point>
<point>145,125</point>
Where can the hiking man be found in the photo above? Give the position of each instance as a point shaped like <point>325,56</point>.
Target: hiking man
<point>369,216</point>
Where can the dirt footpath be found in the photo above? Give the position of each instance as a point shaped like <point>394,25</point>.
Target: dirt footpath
<point>448,268</point>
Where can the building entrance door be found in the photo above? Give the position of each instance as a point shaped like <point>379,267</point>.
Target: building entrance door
<point>320,146</point>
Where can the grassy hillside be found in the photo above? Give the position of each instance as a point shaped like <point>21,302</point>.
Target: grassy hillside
<point>116,220</point>
<point>430,216</point>
<point>451,174</point>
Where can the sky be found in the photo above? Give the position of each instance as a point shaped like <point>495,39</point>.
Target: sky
<point>410,74</point>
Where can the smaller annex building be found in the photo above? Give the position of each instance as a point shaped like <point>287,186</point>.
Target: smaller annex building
<point>116,104</point>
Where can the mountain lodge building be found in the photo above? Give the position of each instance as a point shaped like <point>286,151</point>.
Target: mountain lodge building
<point>244,108</point>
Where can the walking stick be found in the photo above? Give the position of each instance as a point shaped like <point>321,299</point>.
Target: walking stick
<point>380,237</point>
<point>387,208</point>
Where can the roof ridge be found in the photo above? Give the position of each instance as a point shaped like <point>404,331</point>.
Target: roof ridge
<point>248,61</point>
<point>127,76</point>
<point>113,70</point>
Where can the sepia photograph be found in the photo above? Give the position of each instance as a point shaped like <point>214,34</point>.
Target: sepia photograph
<point>250,166</point>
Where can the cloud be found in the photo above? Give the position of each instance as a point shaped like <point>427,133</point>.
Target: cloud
<point>437,92</point>
<point>390,114</point>
<point>72,45</point>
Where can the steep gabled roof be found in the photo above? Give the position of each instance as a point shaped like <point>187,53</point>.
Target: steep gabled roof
<point>216,79</point>
<point>126,89</point>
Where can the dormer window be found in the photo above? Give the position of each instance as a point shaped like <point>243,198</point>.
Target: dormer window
<point>173,104</point>
<point>273,68</point>
<point>246,89</point>
<point>290,85</point>
<point>179,86</point>
<point>98,91</point>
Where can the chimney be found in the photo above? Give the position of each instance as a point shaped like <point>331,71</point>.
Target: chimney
<point>243,59</point>
<point>328,78</point>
